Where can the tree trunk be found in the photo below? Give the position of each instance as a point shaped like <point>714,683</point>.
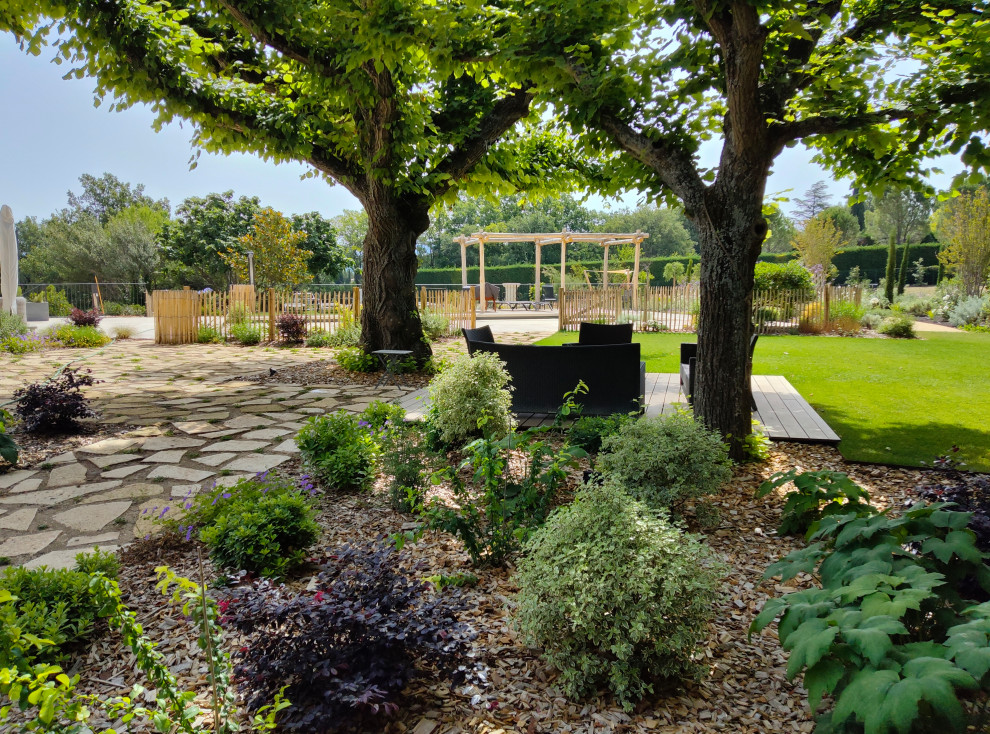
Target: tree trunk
<point>731,233</point>
<point>389,312</point>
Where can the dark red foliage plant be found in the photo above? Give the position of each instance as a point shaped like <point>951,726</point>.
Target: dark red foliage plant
<point>346,649</point>
<point>57,404</point>
<point>78,317</point>
<point>292,327</point>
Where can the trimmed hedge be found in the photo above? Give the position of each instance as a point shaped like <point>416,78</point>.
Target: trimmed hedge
<point>872,262</point>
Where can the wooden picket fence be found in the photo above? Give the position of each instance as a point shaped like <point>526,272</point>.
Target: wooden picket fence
<point>675,308</point>
<point>180,315</point>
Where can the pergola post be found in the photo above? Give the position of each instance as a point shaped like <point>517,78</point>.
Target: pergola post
<point>563,260</point>
<point>481,270</point>
<point>463,242</point>
<point>639,241</point>
<point>605,273</point>
<point>537,296</point>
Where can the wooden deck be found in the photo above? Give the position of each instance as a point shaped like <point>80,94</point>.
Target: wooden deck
<point>784,414</point>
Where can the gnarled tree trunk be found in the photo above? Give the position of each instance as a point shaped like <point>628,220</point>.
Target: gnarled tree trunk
<point>731,233</point>
<point>389,313</point>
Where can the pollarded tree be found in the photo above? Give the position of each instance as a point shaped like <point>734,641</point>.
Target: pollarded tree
<point>650,81</point>
<point>399,101</point>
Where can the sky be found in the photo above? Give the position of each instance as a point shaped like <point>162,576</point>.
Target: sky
<point>51,134</point>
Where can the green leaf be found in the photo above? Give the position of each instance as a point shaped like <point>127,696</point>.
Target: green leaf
<point>810,643</point>
<point>8,449</point>
<point>871,638</point>
<point>821,678</point>
<point>863,695</point>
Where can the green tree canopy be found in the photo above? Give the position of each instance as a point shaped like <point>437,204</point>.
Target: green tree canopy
<point>279,257</point>
<point>899,212</point>
<point>105,196</point>
<point>329,258</point>
<point>667,227</point>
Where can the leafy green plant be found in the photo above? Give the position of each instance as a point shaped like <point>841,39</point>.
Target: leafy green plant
<point>209,335</point>
<point>11,325</point>
<point>499,510</point>
<point>899,326</point>
<point>589,431</point>
<point>355,359</point>
<point>338,449</point>
<point>406,461</point>
<point>616,595</point>
<point>8,448</point>
<point>379,412</point>
<point>666,460</point>
<point>435,325</point>
<point>246,333</point>
<point>24,343</point>
<point>886,633</point>
<point>58,302</point>
<point>470,398</point>
<point>319,338</point>
<point>756,446</point>
<point>69,336</point>
<point>816,495</point>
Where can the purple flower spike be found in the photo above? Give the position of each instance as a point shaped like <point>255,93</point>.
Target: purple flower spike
<point>189,532</point>
<point>226,495</point>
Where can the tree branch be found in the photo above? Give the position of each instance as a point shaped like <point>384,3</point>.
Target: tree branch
<point>826,124</point>
<point>505,113</point>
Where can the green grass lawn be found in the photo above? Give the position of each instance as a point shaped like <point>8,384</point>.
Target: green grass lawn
<point>893,401</point>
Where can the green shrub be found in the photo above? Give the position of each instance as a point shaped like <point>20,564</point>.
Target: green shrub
<point>846,316</point>
<point>354,359</point>
<point>123,332</point>
<point>378,413</point>
<point>899,326</point>
<point>616,595</point>
<point>246,333</point>
<point>11,325</point>
<point>588,431</point>
<point>435,325</point>
<point>268,534</point>
<point>872,320</point>
<point>53,605</point>
<point>666,460</point>
<point>319,338</point>
<point>914,305</point>
<point>238,314</point>
<point>815,495</point>
<point>209,335</point>
<point>470,398</point>
<point>790,276</point>
<point>58,302</point>
<point>756,446</point>
<point>407,464</point>
<point>24,343</point>
<point>338,450</point>
<point>67,335</point>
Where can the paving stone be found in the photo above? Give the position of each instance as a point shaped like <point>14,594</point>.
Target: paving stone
<point>28,485</point>
<point>162,443</point>
<point>194,427</point>
<point>326,403</point>
<point>207,416</point>
<point>224,432</point>
<point>181,491</point>
<point>286,416</point>
<point>287,447</point>
<point>92,517</point>
<point>314,411</point>
<point>63,476</point>
<point>165,457</point>
<point>138,490</point>
<point>147,431</point>
<point>63,558</point>
<point>23,545</point>
<point>15,477</point>
<point>67,458</point>
<point>215,459</point>
<point>294,426</point>
<point>19,520</point>
<point>356,407</point>
<point>55,496</point>
<point>232,479</point>
<point>109,446</point>
<point>91,540</point>
<point>248,421</point>
<point>266,434</point>
<point>104,461</point>
<point>235,445</point>
<point>179,472</point>
<point>122,472</point>
<point>256,463</point>
<point>153,510</point>
<point>256,401</point>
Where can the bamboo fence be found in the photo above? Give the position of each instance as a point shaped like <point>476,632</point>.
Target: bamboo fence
<point>458,307</point>
<point>675,308</point>
<point>176,315</point>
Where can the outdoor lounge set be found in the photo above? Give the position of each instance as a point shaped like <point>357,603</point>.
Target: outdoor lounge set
<point>604,358</point>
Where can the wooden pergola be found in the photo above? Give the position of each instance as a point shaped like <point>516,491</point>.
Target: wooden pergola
<point>604,239</point>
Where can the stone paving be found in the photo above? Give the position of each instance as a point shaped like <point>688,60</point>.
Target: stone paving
<point>200,425</point>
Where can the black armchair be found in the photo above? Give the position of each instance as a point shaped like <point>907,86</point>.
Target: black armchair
<point>589,333</point>
<point>480,334</point>
<point>689,359</point>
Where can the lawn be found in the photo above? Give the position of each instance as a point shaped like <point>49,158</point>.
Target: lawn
<point>893,401</point>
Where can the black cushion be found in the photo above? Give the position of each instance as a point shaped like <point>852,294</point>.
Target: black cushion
<point>589,333</point>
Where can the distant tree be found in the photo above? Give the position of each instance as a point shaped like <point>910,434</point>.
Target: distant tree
<point>817,243</point>
<point>816,200</point>
<point>279,260</point>
<point>351,228</point>
<point>963,226</point>
<point>330,258</point>
<point>902,271</point>
<point>899,212</point>
<point>888,283</point>
<point>858,208</point>
<point>104,196</point>
<point>667,228</point>
<point>673,272</point>
<point>29,235</point>
<point>132,238</point>
<point>781,231</point>
<point>203,228</point>
<point>844,220</point>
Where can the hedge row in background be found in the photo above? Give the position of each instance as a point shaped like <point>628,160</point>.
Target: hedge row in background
<point>872,262</point>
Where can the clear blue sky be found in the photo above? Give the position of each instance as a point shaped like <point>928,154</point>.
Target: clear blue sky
<point>51,133</point>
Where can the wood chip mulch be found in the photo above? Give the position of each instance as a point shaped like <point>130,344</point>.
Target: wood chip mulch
<point>746,690</point>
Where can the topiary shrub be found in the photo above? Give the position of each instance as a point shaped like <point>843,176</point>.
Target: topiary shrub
<point>339,451</point>
<point>78,317</point>
<point>666,460</point>
<point>899,326</point>
<point>470,398</point>
<point>616,595</point>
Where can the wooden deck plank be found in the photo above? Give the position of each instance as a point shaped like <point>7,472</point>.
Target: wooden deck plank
<point>784,414</point>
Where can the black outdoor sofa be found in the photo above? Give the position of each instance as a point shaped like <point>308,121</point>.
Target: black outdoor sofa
<point>541,375</point>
